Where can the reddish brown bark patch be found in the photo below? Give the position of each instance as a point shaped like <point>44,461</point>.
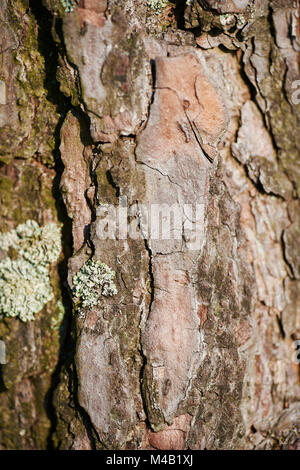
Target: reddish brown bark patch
<point>202,314</point>
<point>172,437</point>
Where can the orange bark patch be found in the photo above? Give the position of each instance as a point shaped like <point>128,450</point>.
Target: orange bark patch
<point>187,114</point>
<point>172,437</point>
<point>98,6</point>
<point>92,11</point>
<point>89,16</point>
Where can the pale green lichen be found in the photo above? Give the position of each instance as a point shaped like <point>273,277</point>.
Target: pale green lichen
<point>241,21</point>
<point>68,5</point>
<point>93,280</point>
<point>227,19</point>
<point>56,321</point>
<point>157,5</point>
<point>24,282</point>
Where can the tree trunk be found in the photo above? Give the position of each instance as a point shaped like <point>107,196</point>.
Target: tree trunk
<point>161,138</point>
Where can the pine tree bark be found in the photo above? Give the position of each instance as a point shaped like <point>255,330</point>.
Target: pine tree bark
<point>109,104</point>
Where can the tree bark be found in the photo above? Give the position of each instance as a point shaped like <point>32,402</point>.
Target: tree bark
<point>185,340</point>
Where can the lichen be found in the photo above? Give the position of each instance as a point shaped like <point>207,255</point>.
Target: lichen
<point>56,321</point>
<point>157,5</point>
<point>68,5</point>
<point>24,282</point>
<point>227,19</point>
<point>93,280</point>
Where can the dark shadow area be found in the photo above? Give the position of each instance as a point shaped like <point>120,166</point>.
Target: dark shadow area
<point>49,49</point>
<point>179,12</point>
<point>2,385</point>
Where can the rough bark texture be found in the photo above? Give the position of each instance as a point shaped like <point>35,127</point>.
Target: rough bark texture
<point>112,100</point>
